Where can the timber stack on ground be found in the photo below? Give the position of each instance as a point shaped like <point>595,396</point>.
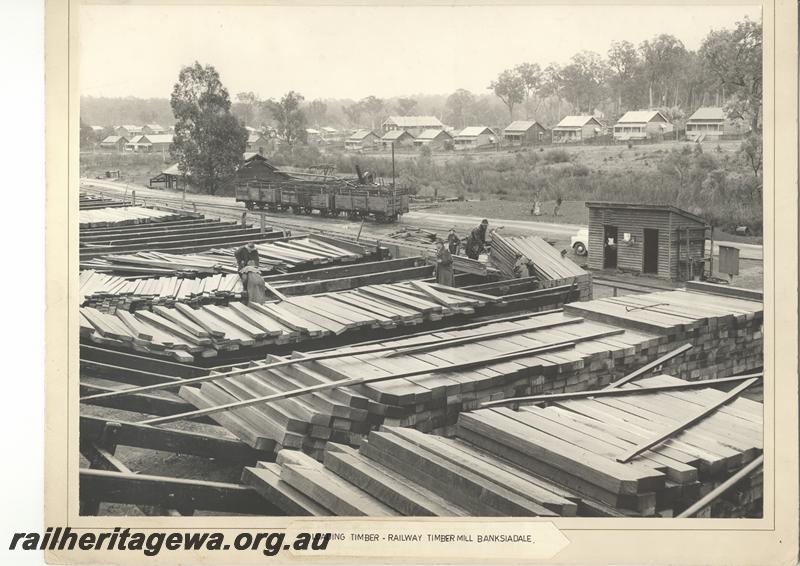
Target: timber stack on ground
<point>556,461</point>
<point>549,266</point>
<point>425,381</point>
<point>183,332</point>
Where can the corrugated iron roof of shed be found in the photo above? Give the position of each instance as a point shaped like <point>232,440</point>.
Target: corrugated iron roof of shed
<point>647,206</point>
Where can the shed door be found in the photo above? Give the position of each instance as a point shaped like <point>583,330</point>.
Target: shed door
<point>610,247</point>
<point>650,261</point>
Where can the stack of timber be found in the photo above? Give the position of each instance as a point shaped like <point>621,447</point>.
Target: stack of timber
<point>463,264</point>
<point>89,202</point>
<point>549,266</point>
<point>582,444</point>
<point>726,331</point>
<point>556,461</point>
<point>176,237</point>
<point>183,331</point>
<point>120,216</point>
<point>284,255</point>
<point>548,263</point>
<point>426,380</point>
<point>108,292</point>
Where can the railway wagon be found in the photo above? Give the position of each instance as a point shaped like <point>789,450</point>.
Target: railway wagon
<point>384,204</point>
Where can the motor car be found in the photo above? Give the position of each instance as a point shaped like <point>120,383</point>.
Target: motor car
<point>580,242</point>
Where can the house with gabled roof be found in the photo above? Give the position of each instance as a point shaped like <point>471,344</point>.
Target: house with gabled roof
<point>149,143</point>
<point>577,129</point>
<point>116,143</point>
<point>412,124</point>
<point>712,122</point>
<point>524,132</point>
<point>360,140</point>
<point>128,131</point>
<point>475,137</point>
<point>435,139</point>
<point>153,129</point>
<point>398,138</point>
<point>641,124</point>
<point>257,143</point>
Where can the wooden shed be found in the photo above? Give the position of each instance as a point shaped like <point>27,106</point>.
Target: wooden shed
<point>652,239</point>
<point>255,166</point>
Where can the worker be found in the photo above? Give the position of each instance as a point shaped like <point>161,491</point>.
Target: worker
<point>477,240</point>
<point>253,283</point>
<point>246,253</point>
<point>557,207</point>
<point>453,242</point>
<point>444,265</point>
<point>537,208</point>
<point>521,269</point>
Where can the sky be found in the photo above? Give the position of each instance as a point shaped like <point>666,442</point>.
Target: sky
<point>356,51</point>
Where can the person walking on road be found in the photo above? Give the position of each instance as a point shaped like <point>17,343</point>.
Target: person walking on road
<point>444,265</point>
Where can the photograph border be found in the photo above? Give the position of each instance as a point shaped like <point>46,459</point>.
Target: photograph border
<point>772,539</point>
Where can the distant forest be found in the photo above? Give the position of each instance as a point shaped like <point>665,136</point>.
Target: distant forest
<point>660,73</point>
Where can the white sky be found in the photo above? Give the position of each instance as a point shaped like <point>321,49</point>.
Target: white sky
<point>352,52</point>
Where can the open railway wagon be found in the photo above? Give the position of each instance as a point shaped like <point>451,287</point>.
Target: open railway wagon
<point>331,198</point>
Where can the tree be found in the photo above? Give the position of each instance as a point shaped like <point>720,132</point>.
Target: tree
<point>510,88</point>
<point>316,112</point>
<point>752,151</point>
<point>353,113</point>
<point>209,141</point>
<point>374,107</point>
<point>246,107</point>
<point>662,62</point>
<point>291,121</point>
<point>459,107</point>
<point>583,80</point>
<point>405,105</point>
<point>734,58</point>
<point>531,75</point>
<point>623,63</point>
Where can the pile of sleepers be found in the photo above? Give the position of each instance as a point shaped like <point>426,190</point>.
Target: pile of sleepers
<point>275,256</point>
<point>118,216</point>
<point>548,263</point>
<point>555,461</point>
<point>726,331</point>
<point>183,332</point>
<point>525,354</point>
<point>107,293</point>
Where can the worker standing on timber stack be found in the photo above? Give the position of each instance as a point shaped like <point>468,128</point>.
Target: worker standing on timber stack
<point>477,240</point>
<point>253,283</point>
<point>245,254</point>
<point>444,265</point>
<point>453,243</point>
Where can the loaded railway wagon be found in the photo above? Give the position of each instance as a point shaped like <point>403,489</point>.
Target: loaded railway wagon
<point>329,198</point>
